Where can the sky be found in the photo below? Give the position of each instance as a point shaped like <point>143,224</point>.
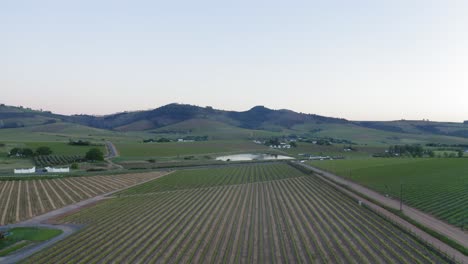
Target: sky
<point>359,60</point>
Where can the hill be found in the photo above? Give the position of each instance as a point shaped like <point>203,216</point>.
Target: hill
<point>258,121</point>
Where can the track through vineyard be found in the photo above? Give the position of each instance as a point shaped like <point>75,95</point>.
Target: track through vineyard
<point>268,218</point>
<point>21,200</point>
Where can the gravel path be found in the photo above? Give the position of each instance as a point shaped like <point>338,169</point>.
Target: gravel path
<point>427,220</point>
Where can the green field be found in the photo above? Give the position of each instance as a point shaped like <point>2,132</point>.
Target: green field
<point>7,164</point>
<point>174,149</point>
<point>270,214</point>
<point>22,236</point>
<point>360,151</point>
<point>200,178</point>
<point>369,136</point>
<point>437,186</point>
<point>63,148</point>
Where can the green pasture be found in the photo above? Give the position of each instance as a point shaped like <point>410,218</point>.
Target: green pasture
<point>369,136</point>
<point>139,150</point>
<point>213,129</point>
<point>20,237</point>
<point>63,148</point>
<point>438,186</point>
<point>360,151</point>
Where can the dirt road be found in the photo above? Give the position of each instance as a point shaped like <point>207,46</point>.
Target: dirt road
<point>112,153</point>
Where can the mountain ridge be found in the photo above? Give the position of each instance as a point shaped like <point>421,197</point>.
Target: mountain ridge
<point>257,118</point>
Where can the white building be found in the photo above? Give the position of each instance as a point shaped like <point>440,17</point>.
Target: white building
<point>25,171</point>
<point>50,169</point>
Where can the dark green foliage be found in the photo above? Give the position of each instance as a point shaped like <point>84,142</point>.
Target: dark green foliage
<point>43,150</point>
<point>94,154</point>
<point>79,143</point>
<point>407,150</point>
<point>21,152</point>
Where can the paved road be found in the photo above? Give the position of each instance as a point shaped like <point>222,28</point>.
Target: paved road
<point>427,220</point>
<point>42,221</point>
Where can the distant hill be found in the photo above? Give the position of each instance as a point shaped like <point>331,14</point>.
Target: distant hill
<point>258,117</point>
<point>259,120</point>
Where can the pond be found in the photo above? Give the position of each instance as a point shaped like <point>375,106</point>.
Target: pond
<point>244,157</point>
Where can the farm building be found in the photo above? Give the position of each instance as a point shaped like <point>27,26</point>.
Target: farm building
<point>24,171</point>
<point>50,169</point>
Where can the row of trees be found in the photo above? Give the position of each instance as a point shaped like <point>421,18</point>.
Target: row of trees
<point>93,154</point>
<point>418,151</point>
<point>27,152</point>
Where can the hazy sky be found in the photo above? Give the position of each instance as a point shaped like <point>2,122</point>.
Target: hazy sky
<point>360,60</point>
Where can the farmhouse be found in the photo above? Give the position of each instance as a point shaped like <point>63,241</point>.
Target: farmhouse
<point>50,169</point>
<point>25,171</point>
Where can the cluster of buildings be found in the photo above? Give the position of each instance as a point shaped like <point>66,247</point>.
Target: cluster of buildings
<point>281,146</point>
<point>46,169</point>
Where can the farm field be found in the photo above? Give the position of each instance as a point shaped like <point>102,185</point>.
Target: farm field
<point>201,178</point>
<point>333,150</point>
<point>23,236</point>
<point>282,219</point>
<point>21,200</point>
<point>63,148</point>
<point>174,149</point>
<point>51,160</point>
<point>437,186</point>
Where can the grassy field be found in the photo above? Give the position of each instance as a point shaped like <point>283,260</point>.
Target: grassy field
<point>23,236</point>
<point>438,186</point>
<point>363,135</point>
<point>361,151</point>
<point>63,148</point>
<point>213,129</point>
<point>173,149</point>
<point>21,200</point>
<point>277,219</point>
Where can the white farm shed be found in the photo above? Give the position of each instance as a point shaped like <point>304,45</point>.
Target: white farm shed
<point>24,171</point>
<point>50,169</point>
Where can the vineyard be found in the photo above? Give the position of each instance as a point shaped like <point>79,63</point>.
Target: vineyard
<point>437,186</point>
<point>200,178</point>
<point>271,219</point>
<point>53,160</point>
<point>21,200</point>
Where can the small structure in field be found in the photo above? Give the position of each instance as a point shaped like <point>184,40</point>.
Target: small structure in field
<point>51,169</point>
<point>25,171</point>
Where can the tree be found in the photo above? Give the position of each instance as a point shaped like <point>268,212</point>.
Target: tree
<point>293,144</point>
<point>94,154</point>
<point>43,151</point>
<point>26,152</point>
<point>15,151</point>
<point>74,166</point>
<point>460,153</point>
